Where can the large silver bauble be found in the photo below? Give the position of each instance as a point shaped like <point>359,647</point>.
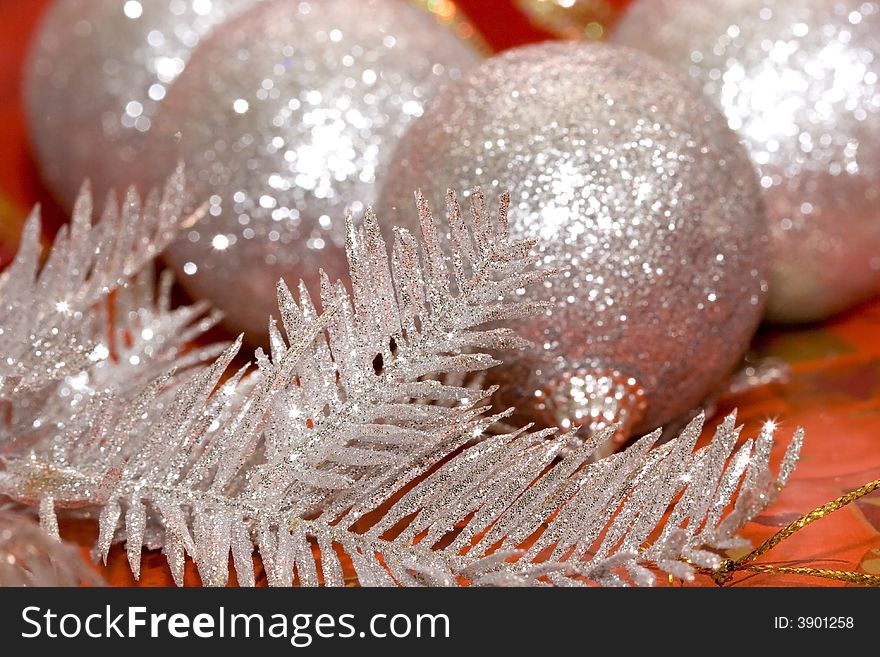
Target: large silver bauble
<point>97,73</point>
<point>629,177</point>
<point>800,81</point>
<point>285,118</point>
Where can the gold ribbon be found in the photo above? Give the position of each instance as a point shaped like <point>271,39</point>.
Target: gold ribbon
<point>729,567</point>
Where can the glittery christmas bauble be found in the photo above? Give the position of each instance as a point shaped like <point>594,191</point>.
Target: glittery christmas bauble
<point>632,180</point>
<point>97,74</point>
<point>798,79</point>
<point>285,118</point>
<point>29,556</point>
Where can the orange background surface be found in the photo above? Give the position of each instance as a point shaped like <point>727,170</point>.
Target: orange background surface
<point>833,391</point>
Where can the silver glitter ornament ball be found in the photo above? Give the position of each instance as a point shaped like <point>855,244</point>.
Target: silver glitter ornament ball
<point>630,178</point>
<point>800,81</point>
<point>97,74</point>
<point>285,118</point>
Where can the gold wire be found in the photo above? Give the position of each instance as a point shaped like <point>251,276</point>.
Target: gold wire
<point>725,572</point>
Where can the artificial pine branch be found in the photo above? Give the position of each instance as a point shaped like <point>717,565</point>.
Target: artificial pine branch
<point>90,322</point>
<point>345,438</point>
<point>517,509</point>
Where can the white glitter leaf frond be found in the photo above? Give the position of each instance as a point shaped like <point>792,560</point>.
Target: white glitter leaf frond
<point>92,310</point>
<point>361,437</point>
<point>343,410</point>
<point>522,509</point>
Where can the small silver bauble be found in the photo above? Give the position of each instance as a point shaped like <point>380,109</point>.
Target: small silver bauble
<point>800,81</point>
<point>629,177</point>
<point>96,77</point>
<point>285,118</point>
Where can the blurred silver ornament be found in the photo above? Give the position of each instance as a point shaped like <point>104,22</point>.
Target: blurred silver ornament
<point>32,556</point>
<point>629,177</point>
<point>96,78</point>
<point>798,79</point>
<point>285,118</point>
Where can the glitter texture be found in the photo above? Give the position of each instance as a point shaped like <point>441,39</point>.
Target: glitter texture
<point>285,118</point>
<point>54,322</point>
<point>96,78</point>
<point>799,80</point>
<point>629,177</point>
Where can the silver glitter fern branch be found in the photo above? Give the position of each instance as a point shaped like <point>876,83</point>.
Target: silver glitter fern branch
<point>522,509</point>
<point>333,416</point>
<point>344,442</point>
<point>91,320</point>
